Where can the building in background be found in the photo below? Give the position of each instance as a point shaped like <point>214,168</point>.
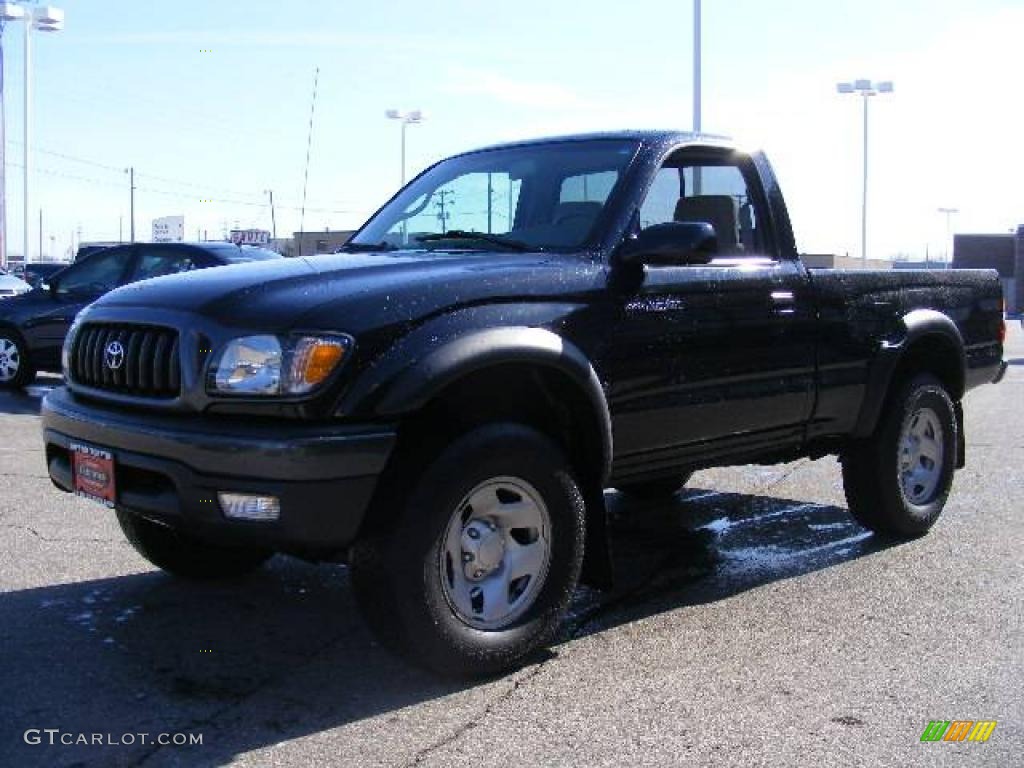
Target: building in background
<point>260,237</point>
<point>1003,253</point>
<point>312,243</point>
<point>832,261</point>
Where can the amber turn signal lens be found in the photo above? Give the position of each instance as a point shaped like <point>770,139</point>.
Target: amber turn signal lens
<point>322,360</point>
<point>313,360</point>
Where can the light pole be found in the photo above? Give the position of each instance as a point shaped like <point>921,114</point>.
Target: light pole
<point>8,12</point>
<point>866,89</point>
<point>949,213</point>
<point>406,118</point>
<point>43,18</point>
<point>696,66</point>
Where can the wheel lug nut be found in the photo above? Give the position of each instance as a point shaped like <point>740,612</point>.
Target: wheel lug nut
<point>477,575</point>
<point>473,533</point>
<point>467,557</point>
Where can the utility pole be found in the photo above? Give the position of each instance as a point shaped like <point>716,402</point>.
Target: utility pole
<point>40,234</point>
<point>443,214</point>
<point>490,203</point>
<point>120,229</point>
<point>273,218</point>
<point>131,204</point>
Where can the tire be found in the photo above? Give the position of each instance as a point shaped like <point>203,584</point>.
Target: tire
<point>656,490</point>
<point>16,368</point>
<point>182,555</point>
<point>498,490</point>
<point>894,485</point>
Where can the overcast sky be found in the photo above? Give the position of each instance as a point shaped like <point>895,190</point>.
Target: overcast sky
<point>209,101</point>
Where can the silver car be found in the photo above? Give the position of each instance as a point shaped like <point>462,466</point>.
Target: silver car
<point>12,286</point>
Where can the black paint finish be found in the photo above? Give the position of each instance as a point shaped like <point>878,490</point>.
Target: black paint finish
<point>751,358</point>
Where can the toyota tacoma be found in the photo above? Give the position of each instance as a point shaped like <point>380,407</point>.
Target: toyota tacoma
<point>442,403</point>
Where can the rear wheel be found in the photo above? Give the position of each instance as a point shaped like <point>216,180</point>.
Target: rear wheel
<point>16,368</point>
<point>654,490</point>
<point>477,567</point>
<point>897,481</point>
<point>184,555</point>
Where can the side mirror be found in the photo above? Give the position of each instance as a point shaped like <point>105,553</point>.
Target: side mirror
<point>674,243</point>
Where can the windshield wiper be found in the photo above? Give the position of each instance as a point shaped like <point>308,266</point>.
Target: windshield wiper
<point>465,234</point>
<point>363,247</point>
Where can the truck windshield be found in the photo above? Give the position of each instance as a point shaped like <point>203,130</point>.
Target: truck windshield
<point>540,197</point>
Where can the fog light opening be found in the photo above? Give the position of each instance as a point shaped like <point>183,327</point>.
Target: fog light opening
<point>246,506</point>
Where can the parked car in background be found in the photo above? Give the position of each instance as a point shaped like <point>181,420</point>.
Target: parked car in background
<point>34,323</point>
<point>88,249</point>
<point>41,271</point>
<point>12,286</point>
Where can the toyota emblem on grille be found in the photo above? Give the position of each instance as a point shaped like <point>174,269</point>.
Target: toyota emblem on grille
<point>114,355</point>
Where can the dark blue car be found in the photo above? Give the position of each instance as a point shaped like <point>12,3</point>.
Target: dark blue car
<point>33,325</point>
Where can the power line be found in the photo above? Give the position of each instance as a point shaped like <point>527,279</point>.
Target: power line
<point>169,193</point>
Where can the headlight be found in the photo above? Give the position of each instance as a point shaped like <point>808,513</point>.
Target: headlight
<point>261,365</point>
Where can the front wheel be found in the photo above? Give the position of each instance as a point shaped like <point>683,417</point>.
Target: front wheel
<point>897,481</point>
<point>16,368</point>
<point>477,567</point>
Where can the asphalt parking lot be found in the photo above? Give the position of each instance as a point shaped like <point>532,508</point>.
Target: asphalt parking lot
<point>754,624</point>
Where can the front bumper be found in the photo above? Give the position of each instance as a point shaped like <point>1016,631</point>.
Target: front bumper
<point>171,467</point>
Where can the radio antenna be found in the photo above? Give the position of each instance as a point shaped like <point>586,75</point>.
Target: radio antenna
<point>309,145</point>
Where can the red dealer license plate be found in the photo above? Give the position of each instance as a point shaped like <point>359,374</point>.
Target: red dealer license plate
<point>92,472</point>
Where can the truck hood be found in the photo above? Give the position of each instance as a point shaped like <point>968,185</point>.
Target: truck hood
<point>356,291</point>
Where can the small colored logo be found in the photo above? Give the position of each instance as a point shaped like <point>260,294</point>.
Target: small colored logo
<point>114,357</point>
<point>958,730</point>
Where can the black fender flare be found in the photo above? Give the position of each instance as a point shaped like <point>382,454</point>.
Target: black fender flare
<point>416,385</point>
<point>916,325</point>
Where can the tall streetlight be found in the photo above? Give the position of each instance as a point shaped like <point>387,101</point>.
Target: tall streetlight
<point>406,118</point>
<point>949,213</point>
<point>866,89</point>
<point>44,18</point>
<point>697,179</point>
<point>8,12</point>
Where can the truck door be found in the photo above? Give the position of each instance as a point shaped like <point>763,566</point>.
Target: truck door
<point>726,349</point>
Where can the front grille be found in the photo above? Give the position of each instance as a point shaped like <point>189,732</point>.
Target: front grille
<point>150,364</point>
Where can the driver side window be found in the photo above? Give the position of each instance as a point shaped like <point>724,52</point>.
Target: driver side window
<point>98,274</point>
<point>707,191</point>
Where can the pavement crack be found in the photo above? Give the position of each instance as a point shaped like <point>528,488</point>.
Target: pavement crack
<point>422,754</point>
<point>797,466</point>
<point>58,539</point>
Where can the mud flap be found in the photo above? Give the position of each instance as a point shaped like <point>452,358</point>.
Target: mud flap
<point>961,438</point>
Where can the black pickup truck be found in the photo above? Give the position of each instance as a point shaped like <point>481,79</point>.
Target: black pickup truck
<point>442,403</point>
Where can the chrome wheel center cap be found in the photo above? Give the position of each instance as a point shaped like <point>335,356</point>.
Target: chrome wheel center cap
<point>483,549</point>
